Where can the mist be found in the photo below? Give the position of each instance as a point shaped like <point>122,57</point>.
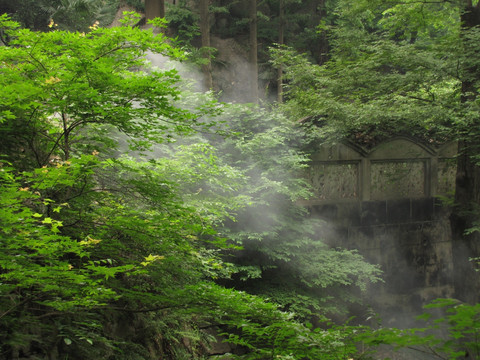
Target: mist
<point>285,243</point>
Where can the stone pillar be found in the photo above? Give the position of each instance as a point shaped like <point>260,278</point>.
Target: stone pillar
<point>364,183</point>
<point>432,177</point>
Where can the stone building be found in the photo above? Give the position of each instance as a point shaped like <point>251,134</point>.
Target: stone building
<point>391,203</point>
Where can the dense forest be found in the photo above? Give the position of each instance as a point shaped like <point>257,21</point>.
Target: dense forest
<point>149,198</point>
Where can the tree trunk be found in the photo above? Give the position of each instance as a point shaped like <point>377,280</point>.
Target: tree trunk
<point>253,78</point>
<point>467,186</point>
<point>205,34</point>
<point>281,41</point>
<point>154,8</point>
<point>323,47</point>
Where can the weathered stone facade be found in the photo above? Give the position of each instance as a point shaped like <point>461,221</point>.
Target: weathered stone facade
<point>397,169</point>
<point>387,204</point>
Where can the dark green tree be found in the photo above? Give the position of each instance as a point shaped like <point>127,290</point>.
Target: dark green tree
<point>105,255</point>
<point>402,68</point>
<point>283,253</point>
<point>77,238</point>
<point>67,14</point>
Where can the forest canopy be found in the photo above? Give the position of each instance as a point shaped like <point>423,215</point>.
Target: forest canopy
<point>141,218</point>
<point>126,200</point>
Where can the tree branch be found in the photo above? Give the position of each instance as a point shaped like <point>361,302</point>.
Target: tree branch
<point>421,2</point>
<point>15,306</point>
<point>417,98</point>
<point>159,308</point>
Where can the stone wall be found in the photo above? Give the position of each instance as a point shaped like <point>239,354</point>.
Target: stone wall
<point>397,169</point>
<point>409,238</point>
<point>385,203</point>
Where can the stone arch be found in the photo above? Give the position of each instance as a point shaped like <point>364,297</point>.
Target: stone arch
<point>343,151</point>
<point>401,147</point>
<point>399,168</point>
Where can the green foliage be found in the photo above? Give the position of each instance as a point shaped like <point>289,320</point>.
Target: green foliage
<point>45,273</point>
<point>183,21</point>
<point>76,81</point>
<point>81,14</point>
<point>462,324</point>
<point>264,332</point>
<point>284,256</point>
<point>106,255</point>
<point>451,331</point>
<point>393,71</point>
<point>34,252</point>
<point>82,236</point>
<point>137,4</point>
<point>68,14</point>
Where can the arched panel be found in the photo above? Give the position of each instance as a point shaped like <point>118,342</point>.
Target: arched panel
<point>448,150</point>
<point>400,168</point>
<point>400,148</point>
<point>338,152</point>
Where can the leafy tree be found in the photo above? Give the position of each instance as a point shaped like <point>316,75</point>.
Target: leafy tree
<point>401,67</point>
<point>71,239</point>
<point>109,256</point>
<point>205,35</point>
<point>283,253</point>
<point>75,81</point>
<point>246,21</point>
<point>183,20</point>
<point>253,53</point>
<point>81,227</point>
<point>450,331</point>
<point>67,14</point>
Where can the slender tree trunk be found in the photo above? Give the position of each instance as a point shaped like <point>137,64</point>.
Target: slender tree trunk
<point>467,187</point>
<point>66,137</point>
<point>154,8</point>
<point>205,34</point>
<point>253,79</point>
<point>323,47</point>
<point>281,41</point>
